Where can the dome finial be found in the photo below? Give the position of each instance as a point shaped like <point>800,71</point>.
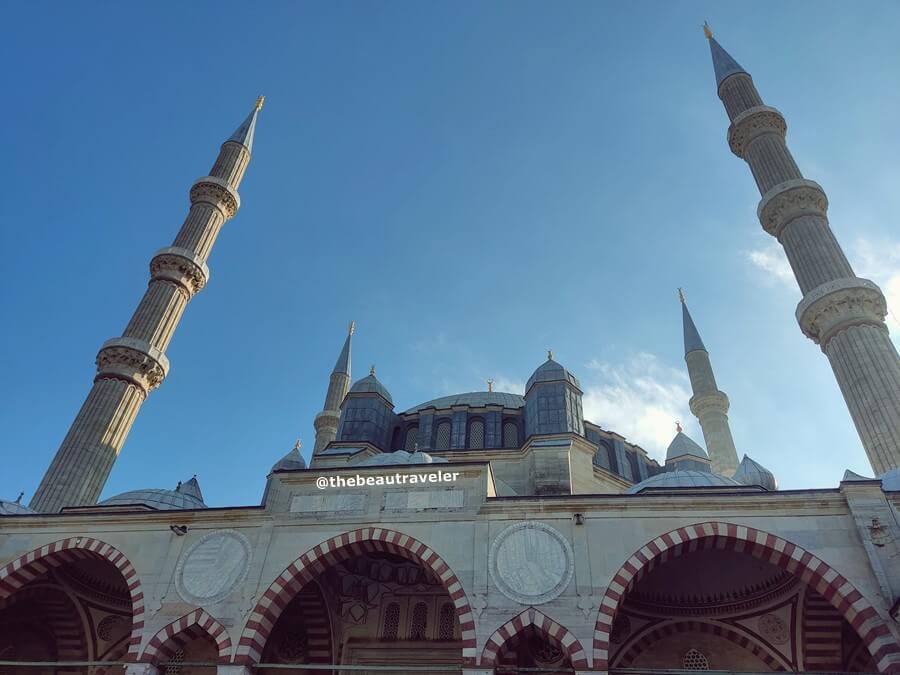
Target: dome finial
<point>707,31</point>
<point>549,354</point>
<point>681,295</point>
<point>352,329</point>
<point>259,103</point>
<point>490,384</point>
<point>678,428</point>
<point>372,370</point>
<point>297,444</point>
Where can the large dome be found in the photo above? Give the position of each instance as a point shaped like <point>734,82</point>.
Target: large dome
<point>473,399</point>
<point>682,479</point>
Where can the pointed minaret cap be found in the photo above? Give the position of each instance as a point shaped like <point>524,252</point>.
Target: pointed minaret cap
<point>692,341</point>
<point>191,487</point>
<point>724,65</point>
<point>343,362</point>
<point>244,133</point>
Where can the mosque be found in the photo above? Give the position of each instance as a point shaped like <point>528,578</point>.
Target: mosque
<point>485,532</point>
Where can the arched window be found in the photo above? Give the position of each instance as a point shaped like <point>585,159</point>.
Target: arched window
<point>446,621</point>
<point>510,434</point>
<point>412,436</point>
<point>694,660</point>
<point>442,436</point>
<point>418,626</point>
<point>476,434</point>
<point>390,625</point>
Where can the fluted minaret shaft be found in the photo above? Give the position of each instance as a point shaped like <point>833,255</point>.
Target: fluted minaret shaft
<point>326,422</point>
<point>840,312</point>
<point>708,404</point>
<point>131,366</point>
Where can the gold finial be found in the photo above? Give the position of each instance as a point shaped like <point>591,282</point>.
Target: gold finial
<point>706,31</point>
<point>372,371</point>
<point>259,103</point>
<point>297,444</point>
<point>352,328</point>
<point>490,384</point>
<point>549,354</point>
<point>681,295</point>
<point>678,427</point>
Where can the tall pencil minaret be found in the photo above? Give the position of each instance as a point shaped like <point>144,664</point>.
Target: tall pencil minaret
<point>840,312</point>
<point>709,405</point>
<point>131,366</point>
<point>326,422</point>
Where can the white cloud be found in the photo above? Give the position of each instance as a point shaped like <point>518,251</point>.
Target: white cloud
<point>880,262</point>
<point>640,399</point>
<point>508,385</point>
<point>771,260</point>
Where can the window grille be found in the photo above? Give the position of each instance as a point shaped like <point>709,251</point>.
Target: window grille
<point>419,623</point>
<point>476,434</point>
<point>694,660</point>
<point>391,623</point>
<point>442,436</point>
<point>412,435</point>
<point>510,435</point>
<point>446,621</point>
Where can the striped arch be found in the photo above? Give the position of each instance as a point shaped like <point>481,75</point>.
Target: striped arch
<point>553,631</point>
<point>626,657</point>
<point>335,550</point>
<point>37,562</point>
<point>170,638</point>
<point>60,615</point>
<point>858,611</point>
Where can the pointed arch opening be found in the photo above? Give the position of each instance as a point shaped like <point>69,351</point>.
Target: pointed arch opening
<point>188,638</point>
<point>532,639</point>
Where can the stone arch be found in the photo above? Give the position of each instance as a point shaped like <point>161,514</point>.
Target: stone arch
<point>546,626</point>
<point>33,564</point>
<point>337,549</point>
<point>858,611</point>
<point>193,624</point>
<point>658,632</point>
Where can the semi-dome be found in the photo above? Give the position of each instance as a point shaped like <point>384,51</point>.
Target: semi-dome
<point>682,479</point>
<point>473,399</point>
<point>293,461</point>
<point>551,371</point>
<point>750,472</point>
<point>370,385</point>
<point>400,457</point>
<point>186,495</point>
<point>16,508</point>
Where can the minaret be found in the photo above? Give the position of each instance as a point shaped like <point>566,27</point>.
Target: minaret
<point>131,366</point>
<point>840,312</point>
<point>708,404</point>
<point>326,422</point>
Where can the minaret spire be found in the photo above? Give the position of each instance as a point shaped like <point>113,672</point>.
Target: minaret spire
<point>708,404</point>
<point>131,366</point>
<point>840,312</point>
<point>326,422</point>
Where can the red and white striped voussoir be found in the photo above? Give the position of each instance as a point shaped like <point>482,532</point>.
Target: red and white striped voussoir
<point>553,631</point>
<point>333,551</point>
<point>23,569</point>
<point>639,645</point>
<point>742,539</point>
<point>172,636</point>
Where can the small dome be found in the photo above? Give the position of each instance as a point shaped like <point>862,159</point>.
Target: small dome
<point>400,457</point>
<point>551,371</point>
<point>682,445</point>
<point>16,508</point>
<point>682,479</point>
<point>293,461</point>
<point>186,495</point>
<point>754,473</point>
<point>370,385</point>
<point>890,480</point>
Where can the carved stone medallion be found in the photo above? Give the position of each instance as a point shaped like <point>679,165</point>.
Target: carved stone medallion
<point>531,563</point>
<point>774,629</point>
<point>213,567</point>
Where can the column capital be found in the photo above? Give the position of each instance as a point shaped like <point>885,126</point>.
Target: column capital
<point>218,193</point>
<point>840,304</point>
<point>788,201</point>
<point>134,361</point>
<point>180,266</point>
<point>754,122</point>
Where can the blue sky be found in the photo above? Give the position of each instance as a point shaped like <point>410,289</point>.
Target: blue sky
<point>473,183</point>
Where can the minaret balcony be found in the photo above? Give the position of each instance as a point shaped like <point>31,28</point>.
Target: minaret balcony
<point>788,201</point>
<point>133,361</point>
<point>751,124</point>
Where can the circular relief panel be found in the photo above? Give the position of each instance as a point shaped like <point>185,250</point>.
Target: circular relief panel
<point>773,628</point>
<point>213,567</point>
<point>531,563</point>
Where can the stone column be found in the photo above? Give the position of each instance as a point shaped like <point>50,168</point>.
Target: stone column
<point>131,366</point>
<point>840,312</point>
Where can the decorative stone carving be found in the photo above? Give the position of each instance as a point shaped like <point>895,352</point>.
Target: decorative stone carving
<point>134,361</point>
<point>717,402</point>
<point>424,500</point>
<point>774,629</point>
<point>180,266</point>
<point>113,627</point>
<point>840,304</point>
<point>752,123</point>
<point>531,563</point>
<point>788,201</point>
<point>213,567</point>
<point>216,192</point>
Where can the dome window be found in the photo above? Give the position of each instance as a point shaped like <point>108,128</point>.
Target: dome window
<point>510,434</point>
<point>442,436</point>
<point>476,434</point>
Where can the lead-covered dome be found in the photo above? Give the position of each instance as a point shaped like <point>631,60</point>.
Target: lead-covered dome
<point>370,385</point>
<point>750,472</point>
<point>186,495</point>
<point>682,479</point>
<point>293,461</point>
<point>16,508</point>
<point>473,399</point>
<point>400,457</point>
<point>551,371</point>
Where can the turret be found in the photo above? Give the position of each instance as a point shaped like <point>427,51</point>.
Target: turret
<point>553,401</point>
<point>709,404</point>
<point>367,414</point>
<point>327,421</point>
<point>840,312</point>
<point>131,366</point>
